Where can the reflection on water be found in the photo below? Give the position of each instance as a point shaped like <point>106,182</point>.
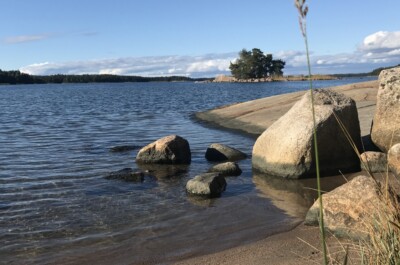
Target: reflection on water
<point>164,171</point>
<point>295,196</point>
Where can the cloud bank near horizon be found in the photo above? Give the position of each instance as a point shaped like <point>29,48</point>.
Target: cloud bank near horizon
<point>378,49</point>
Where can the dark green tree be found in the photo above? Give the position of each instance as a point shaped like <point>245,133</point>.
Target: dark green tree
<point>256,64</point>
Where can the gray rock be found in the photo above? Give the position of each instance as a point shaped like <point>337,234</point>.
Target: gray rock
<point>385,130</point>
<point>164,171</point>
<point>227,169</point>
<point>127,174</point>
<point>220,152</point>
<point>207,184</point>
<point>349,209</point>
<point>171,149</point>
<point>286,148</point>
<point>374,161</point>
<point>394,159</point>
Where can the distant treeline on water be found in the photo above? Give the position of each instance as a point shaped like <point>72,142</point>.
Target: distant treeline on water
<point>16,77</point>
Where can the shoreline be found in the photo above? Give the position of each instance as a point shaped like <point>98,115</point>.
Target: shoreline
<point>255,116</point>
<point>302,243</point>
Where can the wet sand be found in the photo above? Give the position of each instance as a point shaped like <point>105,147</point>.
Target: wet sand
<point>302,244</point>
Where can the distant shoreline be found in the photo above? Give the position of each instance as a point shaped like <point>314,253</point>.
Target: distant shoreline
<point>18,78</point>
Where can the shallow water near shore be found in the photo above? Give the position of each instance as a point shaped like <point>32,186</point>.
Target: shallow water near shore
<point>57,207</point>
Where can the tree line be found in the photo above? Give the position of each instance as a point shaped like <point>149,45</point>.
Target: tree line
<point>256,64</point>
<point>17,77</point>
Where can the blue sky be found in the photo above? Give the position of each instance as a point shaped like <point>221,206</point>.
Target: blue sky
<point>193,37</point>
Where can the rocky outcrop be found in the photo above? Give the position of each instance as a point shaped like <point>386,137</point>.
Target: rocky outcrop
<point>171,149</point>
<point>126,174</point>
<point>286,148</point>
<point>220,152</point>
<point>349,209</point>
<point>374,161</point>
<point>227,169</point>
<point>224,78</point>
<point>207,184</point>
<point>394,159</point>
<point>385,130</point>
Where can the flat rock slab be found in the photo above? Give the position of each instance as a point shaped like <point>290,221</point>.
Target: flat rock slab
<point>257,115</point>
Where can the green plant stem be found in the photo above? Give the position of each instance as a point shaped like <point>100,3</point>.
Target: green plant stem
<point>321,213</point>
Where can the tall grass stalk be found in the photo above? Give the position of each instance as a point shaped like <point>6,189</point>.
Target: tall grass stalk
<point>302,8</point>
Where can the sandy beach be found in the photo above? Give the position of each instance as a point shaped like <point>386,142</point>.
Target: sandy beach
<point>302,244</point>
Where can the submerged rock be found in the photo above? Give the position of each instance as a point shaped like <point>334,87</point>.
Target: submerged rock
<point>164,171</point>
<point>385,130</point>
<point>123,148</point>
<point>227,169</point>
<point>171,149</point>
<point>127,174</point>
<point>206,184</point>
<point>220,152</point>
<point>286,148</point>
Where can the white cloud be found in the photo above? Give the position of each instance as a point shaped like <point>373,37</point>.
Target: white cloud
<point>381,40</point>
<point>379,49</point>
<point>25,38</point>
<point>206,65</point>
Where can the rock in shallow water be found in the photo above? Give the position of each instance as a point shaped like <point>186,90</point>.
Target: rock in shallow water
<point>127,174</point>
<point>171,149</point>
<point>220,152</point>
<point>207,184</point>
<point>227,169</point>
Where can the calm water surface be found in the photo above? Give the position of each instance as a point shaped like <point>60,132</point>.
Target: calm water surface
<point>57,207</point>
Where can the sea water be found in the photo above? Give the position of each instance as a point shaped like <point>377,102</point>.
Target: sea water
<point>57,207</point>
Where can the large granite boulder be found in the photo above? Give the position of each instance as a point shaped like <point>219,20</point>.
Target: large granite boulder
<point>220,152</point>
<point>171,149</point>
<point>349,209</point>
<point>394,159</point>
<point>385,130</point>
<point>374,161</point>
<point>206,184</point>
<point>227,169</point>
<point>286,148</point>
